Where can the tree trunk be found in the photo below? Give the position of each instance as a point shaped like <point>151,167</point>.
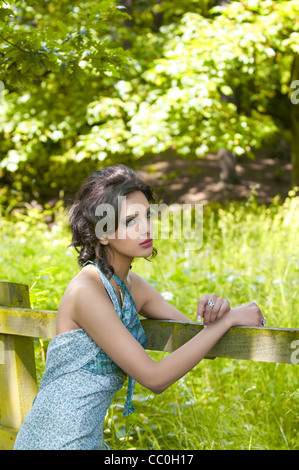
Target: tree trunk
<point>223,3</point>
<point>227,162</point>
<point>129,22</point>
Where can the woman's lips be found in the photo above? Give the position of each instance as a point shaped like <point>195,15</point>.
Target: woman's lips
<point>147,243</point>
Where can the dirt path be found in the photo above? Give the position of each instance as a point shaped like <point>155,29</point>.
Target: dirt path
<point>194,181</point>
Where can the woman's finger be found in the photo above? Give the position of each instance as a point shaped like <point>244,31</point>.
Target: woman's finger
<point>210,304</point>
<point>225,307</point>
<point>201,306</point>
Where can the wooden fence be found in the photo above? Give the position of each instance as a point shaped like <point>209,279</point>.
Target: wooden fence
<point>19,325</point>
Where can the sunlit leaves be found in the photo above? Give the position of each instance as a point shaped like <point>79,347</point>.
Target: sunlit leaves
<point>237,54</point>
<point>197,84</point>
<point>45,38</point>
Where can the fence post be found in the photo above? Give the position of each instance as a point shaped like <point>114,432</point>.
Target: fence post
<point>17,369</point>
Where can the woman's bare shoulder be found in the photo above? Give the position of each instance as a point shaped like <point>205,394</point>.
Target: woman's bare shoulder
<point>86,280</point>
<point>85,283</point>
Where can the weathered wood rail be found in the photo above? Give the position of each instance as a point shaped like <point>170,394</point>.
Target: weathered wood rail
<point>19,325</point>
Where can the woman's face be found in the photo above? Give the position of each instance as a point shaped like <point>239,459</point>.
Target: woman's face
<point>134,227</point>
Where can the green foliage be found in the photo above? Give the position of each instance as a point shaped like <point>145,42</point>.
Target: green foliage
<point>84,90</point>
<point>249,252</point>
<point>55,60</point>
<point>212,86</point>
<point>43,38</point>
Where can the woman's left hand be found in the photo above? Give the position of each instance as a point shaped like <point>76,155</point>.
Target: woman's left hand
<point>210,313</point>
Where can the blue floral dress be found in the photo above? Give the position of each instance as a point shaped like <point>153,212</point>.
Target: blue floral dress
<point>78,386</point>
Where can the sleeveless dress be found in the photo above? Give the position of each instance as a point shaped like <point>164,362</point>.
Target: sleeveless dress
<point>78,386</point>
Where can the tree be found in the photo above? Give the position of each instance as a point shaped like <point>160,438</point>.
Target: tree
<point>54,57</point>
<point>221,82</point>
<point>87,85</point>
<point>66,39</point>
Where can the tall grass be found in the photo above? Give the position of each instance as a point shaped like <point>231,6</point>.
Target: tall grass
<point>249,252</point>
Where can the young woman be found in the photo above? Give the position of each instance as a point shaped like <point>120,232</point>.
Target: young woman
<point>100,341</point>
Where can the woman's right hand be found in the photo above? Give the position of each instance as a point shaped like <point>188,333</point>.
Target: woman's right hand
<point>246,315</point>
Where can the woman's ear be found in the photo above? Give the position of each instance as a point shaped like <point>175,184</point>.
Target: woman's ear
<point>104,241</point>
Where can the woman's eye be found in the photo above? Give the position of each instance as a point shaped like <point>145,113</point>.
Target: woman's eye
<point>128,222</point>
<point>134,221</point>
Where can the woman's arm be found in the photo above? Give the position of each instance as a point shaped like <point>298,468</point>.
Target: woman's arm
<point>153,305</point>
<point>94,312</point>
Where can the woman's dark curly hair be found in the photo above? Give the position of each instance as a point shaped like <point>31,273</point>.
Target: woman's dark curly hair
<point>102,187</point>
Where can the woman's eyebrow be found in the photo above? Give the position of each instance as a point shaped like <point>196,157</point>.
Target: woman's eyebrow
<point>135,215</point>
<point>131,215</point>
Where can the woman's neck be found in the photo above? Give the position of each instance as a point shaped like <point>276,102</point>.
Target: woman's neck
<point>121,268</point>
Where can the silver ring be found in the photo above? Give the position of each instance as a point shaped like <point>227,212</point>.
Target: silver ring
<point>211,303</point>
<point>264,321</point>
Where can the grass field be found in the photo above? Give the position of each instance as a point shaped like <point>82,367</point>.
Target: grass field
<point>249,252</point>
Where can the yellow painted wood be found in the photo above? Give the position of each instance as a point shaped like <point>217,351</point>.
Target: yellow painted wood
<point>13,294</point>
<point>7,437</point>
<point>28,322</point>
<point>17,370</point>
<point>256,344</point>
